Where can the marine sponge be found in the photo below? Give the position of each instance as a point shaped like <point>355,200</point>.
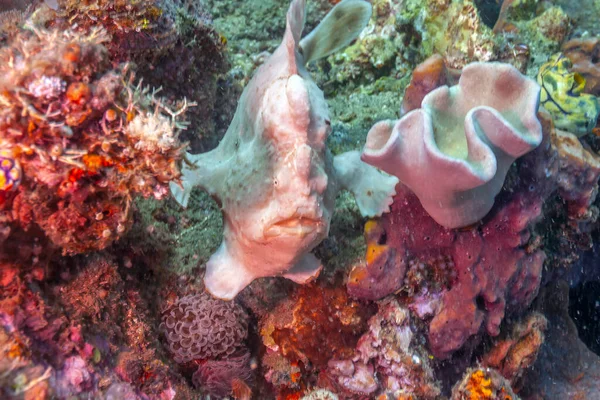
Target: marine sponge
<point>455,151</point>
<point>199,327</point>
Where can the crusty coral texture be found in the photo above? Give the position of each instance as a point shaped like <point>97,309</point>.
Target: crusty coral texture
<point>72,126</point>
<point>455,151</point>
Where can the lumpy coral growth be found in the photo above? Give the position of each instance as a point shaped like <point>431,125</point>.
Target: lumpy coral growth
<point>200,327</point>
<point>79,140</point>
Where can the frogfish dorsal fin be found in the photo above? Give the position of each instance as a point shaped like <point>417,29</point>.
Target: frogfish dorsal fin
<point>293,31</point>
<point>338,29</point>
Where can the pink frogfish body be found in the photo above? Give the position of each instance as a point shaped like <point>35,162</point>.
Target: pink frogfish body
<point>272,173</point>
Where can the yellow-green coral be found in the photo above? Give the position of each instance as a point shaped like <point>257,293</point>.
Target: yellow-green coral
<point>562,97</point>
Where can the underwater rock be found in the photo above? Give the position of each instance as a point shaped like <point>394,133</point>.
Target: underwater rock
<point>562,96</point>
<point>273,173</point>
<point>565,367</point>
<point>464,139</point>
<point>517,349</point>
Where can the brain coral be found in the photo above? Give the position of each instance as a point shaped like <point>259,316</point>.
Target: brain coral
<point>200,327</point>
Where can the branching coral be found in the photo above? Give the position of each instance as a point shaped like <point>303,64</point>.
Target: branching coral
<point>74,127</point>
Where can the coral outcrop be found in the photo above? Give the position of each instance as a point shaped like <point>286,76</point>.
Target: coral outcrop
<point>497,264</point>
<point>464,139</point>
<point>295,333</point>
<point>171,43</point>
<point>477,297</point>
<point>388,359</point>
<point>81,140</point>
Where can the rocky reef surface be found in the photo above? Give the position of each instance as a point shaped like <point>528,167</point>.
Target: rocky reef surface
<point>101,271</point>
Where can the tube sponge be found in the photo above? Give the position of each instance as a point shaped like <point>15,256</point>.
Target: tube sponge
<point>455,151</point>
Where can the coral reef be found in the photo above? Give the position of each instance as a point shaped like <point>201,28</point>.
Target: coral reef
<point>562,96</point>
<point>465,137</point>
<point>296,331</point>
<point>88,335</point>
<point>74,127</point>
<point>426,312</point>
<point>173,46</point>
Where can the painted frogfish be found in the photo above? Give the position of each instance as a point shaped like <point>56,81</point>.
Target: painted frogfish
<point>272,173</point>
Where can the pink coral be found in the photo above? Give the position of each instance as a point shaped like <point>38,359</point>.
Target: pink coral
<point>200,327</point>
<point>216,376</point>
<point>389,349</point>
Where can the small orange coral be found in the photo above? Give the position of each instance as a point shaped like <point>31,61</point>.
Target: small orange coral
<point>483,384</point>
<point>479,386</point>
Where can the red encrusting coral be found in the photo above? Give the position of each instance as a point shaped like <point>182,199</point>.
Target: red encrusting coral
<point>315,317</point>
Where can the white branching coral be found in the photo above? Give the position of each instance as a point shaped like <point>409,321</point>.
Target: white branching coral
<point>152,132</point>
